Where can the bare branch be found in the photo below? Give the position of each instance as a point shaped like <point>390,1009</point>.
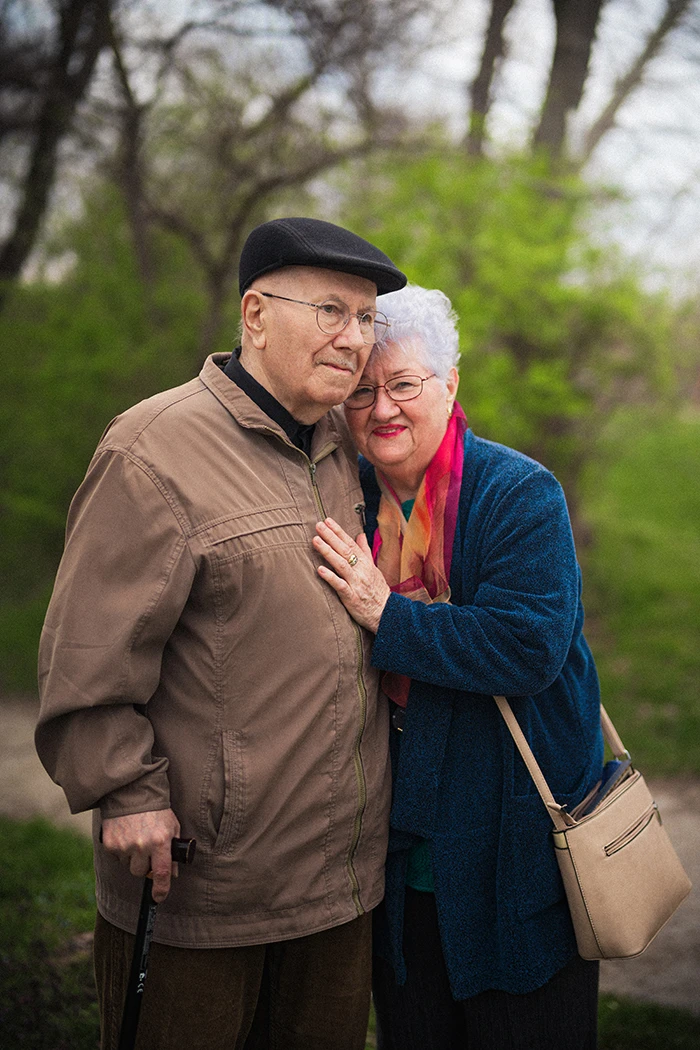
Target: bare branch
<point>174,223</point>
<point>279,109</point>
<point>675,9</point>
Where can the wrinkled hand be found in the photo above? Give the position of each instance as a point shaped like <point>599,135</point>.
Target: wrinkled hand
<point>143,841</point>
<point>361,587</point>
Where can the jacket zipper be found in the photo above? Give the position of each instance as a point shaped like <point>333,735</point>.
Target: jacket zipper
<point>314,486</point>
<point>362,692</point>
<point>359,773</point>
<point>357,754</point>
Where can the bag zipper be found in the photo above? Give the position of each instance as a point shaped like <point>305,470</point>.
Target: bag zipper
<point>630,833</point>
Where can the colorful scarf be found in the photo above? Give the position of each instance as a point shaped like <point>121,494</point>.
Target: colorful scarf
<point>415,555</point>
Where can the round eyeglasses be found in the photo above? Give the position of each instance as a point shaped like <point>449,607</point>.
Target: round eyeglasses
<point>333,317</point>
<point>403,388</point>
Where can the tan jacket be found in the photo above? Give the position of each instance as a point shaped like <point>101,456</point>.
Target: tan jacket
<point>192,657</point>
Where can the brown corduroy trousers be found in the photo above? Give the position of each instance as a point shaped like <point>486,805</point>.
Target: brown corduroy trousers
<point>311,993</point>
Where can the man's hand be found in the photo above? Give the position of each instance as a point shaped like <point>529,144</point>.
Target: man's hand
<point>142,840</point>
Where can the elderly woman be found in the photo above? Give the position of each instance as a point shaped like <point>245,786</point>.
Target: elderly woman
<point>468,577</point>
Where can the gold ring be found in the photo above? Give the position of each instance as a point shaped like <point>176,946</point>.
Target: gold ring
<point>352,560</point>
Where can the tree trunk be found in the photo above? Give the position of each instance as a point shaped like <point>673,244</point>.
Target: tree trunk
<point>480,88</point>
<point>83,32</point>
<point>213,319</point>
<point>576,22</point>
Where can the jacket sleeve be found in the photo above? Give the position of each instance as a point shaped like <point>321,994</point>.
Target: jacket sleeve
<point>124,578</point>
<point>514,634</point>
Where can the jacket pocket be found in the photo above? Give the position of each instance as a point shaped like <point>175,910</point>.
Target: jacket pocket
<point>225,793</point>
<point>266,527</point>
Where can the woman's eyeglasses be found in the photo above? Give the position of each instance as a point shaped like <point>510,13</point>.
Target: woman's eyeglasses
<point>403,388</point>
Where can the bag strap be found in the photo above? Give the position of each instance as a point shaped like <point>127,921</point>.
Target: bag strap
<point>611,735</point>
<point>560,818</point>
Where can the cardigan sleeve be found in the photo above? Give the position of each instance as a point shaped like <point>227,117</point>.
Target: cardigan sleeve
<point>514,631</point>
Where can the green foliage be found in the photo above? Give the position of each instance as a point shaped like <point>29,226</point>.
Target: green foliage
<point>554,331</point>
<point>557,336</point>
<point>47,908</point>
<point>73,355</point>
<point>20,623</point>
<point>642,586</point>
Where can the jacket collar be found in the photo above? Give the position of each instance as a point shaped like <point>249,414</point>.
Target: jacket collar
<point>247,414</point>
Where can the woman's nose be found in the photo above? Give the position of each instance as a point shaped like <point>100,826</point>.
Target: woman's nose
<point>384,407</point>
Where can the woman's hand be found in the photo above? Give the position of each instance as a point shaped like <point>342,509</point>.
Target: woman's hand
<point>352,574</point>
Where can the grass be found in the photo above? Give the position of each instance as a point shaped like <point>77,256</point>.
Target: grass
<point>642,589</point>
<point>47,910</point>
<point>47,999</point>
<point>627,1025</point>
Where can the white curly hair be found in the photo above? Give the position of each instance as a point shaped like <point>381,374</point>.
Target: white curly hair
<point>423,322</point>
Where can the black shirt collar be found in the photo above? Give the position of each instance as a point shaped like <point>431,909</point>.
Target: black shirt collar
<point>300,434</point>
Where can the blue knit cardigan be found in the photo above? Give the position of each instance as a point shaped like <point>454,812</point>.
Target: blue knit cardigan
<point>514,626</point>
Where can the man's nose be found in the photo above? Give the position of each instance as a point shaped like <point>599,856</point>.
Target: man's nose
<point>351,336</point>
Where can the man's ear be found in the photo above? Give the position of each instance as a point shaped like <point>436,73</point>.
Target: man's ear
<point>253,318</point>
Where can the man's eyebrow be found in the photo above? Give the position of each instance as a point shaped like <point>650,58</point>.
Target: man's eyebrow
<point>341,299</point>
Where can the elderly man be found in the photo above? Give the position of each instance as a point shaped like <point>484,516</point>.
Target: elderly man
<point>198,678</point>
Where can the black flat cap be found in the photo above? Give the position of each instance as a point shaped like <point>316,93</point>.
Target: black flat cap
<point>312,242</point>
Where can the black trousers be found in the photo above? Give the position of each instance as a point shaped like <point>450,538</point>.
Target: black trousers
<point>422,1015</point>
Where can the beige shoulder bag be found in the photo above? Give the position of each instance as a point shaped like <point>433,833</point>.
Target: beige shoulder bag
<point>622,877</point>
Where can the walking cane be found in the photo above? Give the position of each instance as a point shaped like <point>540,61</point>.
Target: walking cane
<point>182,851</point>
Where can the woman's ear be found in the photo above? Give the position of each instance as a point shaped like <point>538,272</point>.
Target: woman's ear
<point>452,382</point>
<point>253,318</point>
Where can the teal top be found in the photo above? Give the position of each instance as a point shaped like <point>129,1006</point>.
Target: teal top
<point>419,875</point>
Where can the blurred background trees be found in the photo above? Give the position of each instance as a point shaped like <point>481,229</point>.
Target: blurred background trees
<point>535,159</point>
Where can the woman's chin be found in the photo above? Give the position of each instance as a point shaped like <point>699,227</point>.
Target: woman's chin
<point>383,459</point>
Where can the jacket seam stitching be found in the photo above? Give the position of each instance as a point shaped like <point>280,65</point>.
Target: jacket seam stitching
<point>160,409</point>
<point>179,516</point>
<point>149,609</point>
